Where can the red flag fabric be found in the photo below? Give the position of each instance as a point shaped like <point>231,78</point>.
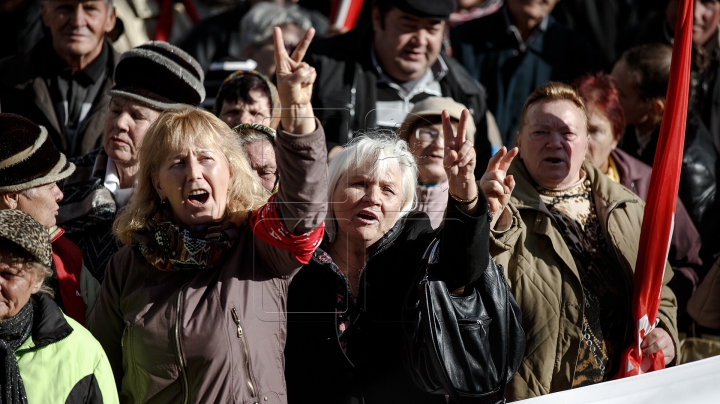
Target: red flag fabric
<point>660,208</point>
<point>345,13</point>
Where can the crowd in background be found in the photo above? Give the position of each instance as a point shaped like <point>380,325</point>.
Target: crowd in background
<point>232,195</point>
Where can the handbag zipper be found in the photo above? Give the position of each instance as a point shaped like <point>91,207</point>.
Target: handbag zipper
<point>241,335</point>
<point>181,360</point>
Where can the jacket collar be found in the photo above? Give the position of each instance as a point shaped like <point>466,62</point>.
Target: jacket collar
<point>49,324</point>
<point>525,196</point>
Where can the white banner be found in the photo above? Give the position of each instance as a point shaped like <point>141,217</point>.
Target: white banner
<point>695,382</point>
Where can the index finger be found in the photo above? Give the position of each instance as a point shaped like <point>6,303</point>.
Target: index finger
<point>461,126</point>
<point>494,162</point>
<point>280,52</point>
<point>303,46</point>
<point>508,158</point>
<point>448,132</point>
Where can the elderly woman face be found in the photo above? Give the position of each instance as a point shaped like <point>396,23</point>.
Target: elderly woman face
<point>367,206</point>
<point>428,147</point>
<point>41,203</point>
<point>195,181</point>
<point>125,127</point>
<point>553,143</point>
<point>17,283</point>
<point>601,138</point>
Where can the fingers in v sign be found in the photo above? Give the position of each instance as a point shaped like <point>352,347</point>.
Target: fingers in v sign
<point>295,80</point>
<point>459,161</point>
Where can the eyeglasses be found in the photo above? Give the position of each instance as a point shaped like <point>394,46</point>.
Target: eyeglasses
<point>425,136</point>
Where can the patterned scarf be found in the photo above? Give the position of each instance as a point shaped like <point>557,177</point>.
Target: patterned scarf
<point>13,332</point>
<point>176,249</point>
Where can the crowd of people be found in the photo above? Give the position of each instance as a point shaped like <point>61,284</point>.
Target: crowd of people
<point>166,236</point>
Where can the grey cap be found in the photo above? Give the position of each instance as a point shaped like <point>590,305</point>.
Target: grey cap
<point>20,228</point>
<point>433,106</point>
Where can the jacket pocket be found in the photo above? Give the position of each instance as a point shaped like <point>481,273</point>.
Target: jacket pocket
<point>246,355</point>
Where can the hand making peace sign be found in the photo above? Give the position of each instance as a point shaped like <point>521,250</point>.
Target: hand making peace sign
<point>295,80</point>
<point>496,184</point>
<point>459,161</point>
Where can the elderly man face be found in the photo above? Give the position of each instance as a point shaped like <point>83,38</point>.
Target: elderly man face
<point>406,45</point>
<point>78,27</point>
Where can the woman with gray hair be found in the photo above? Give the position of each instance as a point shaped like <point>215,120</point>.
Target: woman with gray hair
<point>256,32</point>
<point>344,306</point>
<point>47,357</point>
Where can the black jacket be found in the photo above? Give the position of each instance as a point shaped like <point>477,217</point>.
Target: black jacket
<point>24,91</point>
<point>344,95</point>
<point>317,369</point>
<point>697,175</point>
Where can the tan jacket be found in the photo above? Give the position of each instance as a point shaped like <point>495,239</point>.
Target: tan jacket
<point>213,335</point>
<point>545,281</point>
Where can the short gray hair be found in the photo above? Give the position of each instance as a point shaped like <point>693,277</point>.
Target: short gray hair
<point>382,149</point>
<point>257,25</point>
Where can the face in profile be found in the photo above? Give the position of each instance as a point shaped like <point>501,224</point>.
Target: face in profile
<point>406,45</point>
<point>261,156</point>
<point>636,110</point>
<point>194,181</point>
<point>256,110</point>
<point>125,127</point>
<point>365,206</point>
<point>77,27</point>
<point>553,143</point>
<point>601,139</point>
<point>41,203</point>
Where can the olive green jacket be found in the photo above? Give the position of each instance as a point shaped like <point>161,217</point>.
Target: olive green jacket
<point>545,281</point>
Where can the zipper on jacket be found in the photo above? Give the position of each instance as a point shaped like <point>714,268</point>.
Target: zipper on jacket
<point>241,335</point>
<point>181,359</point>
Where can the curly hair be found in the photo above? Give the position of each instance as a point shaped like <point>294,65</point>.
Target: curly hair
<point>178,130</point>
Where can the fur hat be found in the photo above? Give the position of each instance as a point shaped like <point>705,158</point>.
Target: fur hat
<point>433,106</point>
<point>28,157</point>
<point>20,228</point>
<point>159,75</point>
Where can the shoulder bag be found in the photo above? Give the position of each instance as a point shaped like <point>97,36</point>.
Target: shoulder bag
<point>467,347</point>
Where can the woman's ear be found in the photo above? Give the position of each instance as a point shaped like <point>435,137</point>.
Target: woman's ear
<point>9,200</point>
<point>158,188</point>
<point>658,107</point>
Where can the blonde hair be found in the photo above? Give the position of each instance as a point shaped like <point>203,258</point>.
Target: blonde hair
<point>178,130</point>
<point>552,91</point>
<point>382,149</point>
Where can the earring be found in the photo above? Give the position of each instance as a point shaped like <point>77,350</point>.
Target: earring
<point>163,201</point>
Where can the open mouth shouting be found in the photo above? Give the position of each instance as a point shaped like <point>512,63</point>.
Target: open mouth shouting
<point>198,197</point>
<point>367,217</point>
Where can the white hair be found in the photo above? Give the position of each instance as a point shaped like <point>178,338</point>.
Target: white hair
<point>257,25</point>
<point>383,151</point>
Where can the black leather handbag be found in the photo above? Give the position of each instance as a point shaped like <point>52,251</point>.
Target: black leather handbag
<point>467,347</point>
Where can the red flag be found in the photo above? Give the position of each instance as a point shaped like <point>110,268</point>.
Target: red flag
<point>660,208</point>
<point>344,13</point>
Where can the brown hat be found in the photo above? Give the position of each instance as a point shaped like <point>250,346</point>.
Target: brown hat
<point>434,106</point>
<point>20,228</point>
<point>28,157</point>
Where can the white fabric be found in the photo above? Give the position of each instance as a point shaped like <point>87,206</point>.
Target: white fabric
<point>112,183</point>
<point>695,382</point>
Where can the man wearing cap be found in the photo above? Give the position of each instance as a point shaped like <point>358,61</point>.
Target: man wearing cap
<point>62,82</point>
<point>149,79</point>
<point>30,167</point>
<point>373,77</point>
<point>516,50</point>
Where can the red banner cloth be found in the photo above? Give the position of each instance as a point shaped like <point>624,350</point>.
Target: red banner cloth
<point>345,13</point>
<point>660,208</point>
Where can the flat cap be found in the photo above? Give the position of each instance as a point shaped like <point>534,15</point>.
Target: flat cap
<point>432,9</point>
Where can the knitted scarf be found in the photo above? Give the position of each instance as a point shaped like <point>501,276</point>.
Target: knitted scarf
<point>174,248</point>
<point>13,332</point>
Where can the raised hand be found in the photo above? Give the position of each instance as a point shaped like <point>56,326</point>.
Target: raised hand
<point>459,161</point>
<point>295,80</point>
<point>495,183</point>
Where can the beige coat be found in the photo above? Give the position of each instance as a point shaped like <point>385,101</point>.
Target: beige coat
<point>545,281</point>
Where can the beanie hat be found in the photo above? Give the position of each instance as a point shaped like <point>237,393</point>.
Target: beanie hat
<point>434,106</point>
<point>159,75</point>
<point>274,120</point>
<point>20,228</point>
<point>28,157</point>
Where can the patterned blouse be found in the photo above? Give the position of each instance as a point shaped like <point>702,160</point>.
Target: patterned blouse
<point>606,293</point>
